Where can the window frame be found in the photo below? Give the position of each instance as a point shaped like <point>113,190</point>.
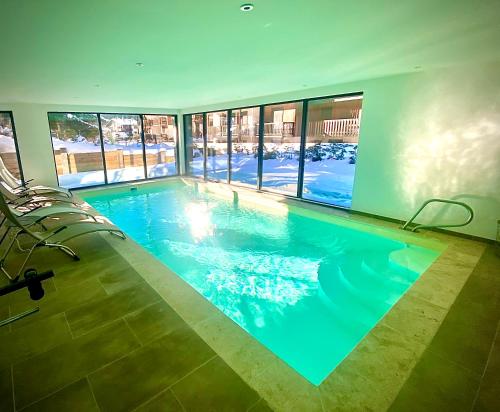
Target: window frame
<point>141,116</point>
<point>205,137</point>
<point>230,147</point>
<point>303,137</point>
<point>16,145</point>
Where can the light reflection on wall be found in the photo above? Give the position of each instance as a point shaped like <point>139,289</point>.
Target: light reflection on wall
<point>448,146</point>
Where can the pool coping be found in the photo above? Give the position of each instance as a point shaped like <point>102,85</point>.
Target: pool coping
<point>382,360</point>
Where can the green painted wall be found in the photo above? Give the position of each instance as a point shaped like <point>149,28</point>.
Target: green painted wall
<point>33,134</point>
<point>423,135</point>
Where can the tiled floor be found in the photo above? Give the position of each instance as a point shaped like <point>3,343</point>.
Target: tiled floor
<point>460,369</point>
<point>104,339</point>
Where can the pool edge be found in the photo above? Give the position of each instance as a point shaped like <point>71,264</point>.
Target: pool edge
<point>281,386</point>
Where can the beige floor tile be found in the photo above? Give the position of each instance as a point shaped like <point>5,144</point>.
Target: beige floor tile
<point>76,397</point>
<point>45,373</point>
<point>33,339</point>
<point>214,387</point>
<point>154,321</point>
<point>86,317</point>
<point>134,379</point>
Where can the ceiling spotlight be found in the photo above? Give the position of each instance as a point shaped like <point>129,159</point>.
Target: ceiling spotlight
<point>139,64</point>
<point>246,7</point>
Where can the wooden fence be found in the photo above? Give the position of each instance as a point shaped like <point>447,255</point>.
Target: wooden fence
<point>9,159</point>
<point>69,163</point>
<point>343,129</point>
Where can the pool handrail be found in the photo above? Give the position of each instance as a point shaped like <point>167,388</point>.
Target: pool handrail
<point>454,202</point>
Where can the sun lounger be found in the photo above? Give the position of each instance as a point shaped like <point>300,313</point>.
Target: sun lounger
<point>24,188</point>
<point>52,238</point>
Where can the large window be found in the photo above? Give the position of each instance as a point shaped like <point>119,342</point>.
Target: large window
<point>94,148</point>
<point>9,153</point>
<point>331,147</point>
<point>123,149</point>
<point>194,145</point>
<point>217,159</point>
<point>306,149</point>
<point>244,145</point>
<point>281,150</point>
<point>77,149</point>
<point>160,138</point>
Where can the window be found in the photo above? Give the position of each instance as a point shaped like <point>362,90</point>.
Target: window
<point>281,150</point>
<point>123,149</point>
<point>160,138</point>
<point>99,148</point>
<point>77,149</point>
<point>244,145</point>
<point>194,146</point>
<point>331,149</point>
<point>9,153</point>
<point>217,146</point>
<point>306,149</point>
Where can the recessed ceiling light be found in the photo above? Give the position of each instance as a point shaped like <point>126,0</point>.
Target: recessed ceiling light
<point>139,64</point>
<point>246,7</point>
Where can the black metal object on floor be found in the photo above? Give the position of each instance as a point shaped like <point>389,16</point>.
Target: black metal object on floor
<point>33,282</point>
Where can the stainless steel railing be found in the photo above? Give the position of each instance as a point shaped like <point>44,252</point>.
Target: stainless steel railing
<point>453,202</point>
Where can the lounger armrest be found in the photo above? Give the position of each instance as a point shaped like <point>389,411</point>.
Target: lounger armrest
<point>24,185</point>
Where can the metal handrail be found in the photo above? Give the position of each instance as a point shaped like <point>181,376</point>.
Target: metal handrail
<point>454,202</point>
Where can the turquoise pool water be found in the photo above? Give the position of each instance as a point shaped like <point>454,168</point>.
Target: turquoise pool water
<point>308,290</point>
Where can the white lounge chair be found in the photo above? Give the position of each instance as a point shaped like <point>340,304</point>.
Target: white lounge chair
<point>25,199</point>
<point>17,186</point>
<point>52,238</point>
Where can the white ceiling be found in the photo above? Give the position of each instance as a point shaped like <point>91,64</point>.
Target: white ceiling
<point>195,53</point>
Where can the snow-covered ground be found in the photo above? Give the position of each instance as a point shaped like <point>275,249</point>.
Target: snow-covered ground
<point>84,146</point>
<point>329,181</point>
<point>84,179</point>
<point>7,144</point>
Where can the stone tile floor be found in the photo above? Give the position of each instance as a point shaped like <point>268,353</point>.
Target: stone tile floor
<point>105,340</point>
<point>460,369</point>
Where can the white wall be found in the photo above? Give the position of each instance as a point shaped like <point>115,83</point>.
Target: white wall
<point>424,135</point>
<point>33,134</point>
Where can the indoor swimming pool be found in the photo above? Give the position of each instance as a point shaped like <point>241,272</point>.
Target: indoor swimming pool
<point>307,289</point>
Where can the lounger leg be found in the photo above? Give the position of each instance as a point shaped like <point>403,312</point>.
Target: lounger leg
<point>64,249</point>
<point>23,265</point>
<point>121,235</point>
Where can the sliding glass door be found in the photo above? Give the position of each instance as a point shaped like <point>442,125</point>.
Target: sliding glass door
<point>244,146</point>
<point>281,149</point>
<point>77,149</point>
<point>160,139</point>
<point>331,150</point>
<point>123,148</point>
<point>194,145</point>
<point>217,157</point>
